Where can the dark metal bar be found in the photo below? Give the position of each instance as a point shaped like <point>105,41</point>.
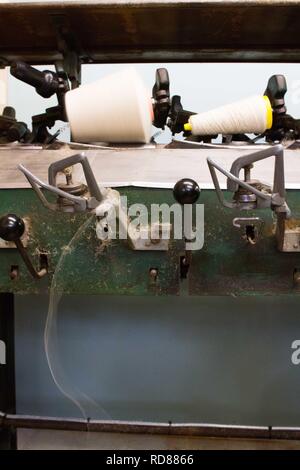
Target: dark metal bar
<point>185,31</point>
<point>7,369</point>
<point>9,421</point>
<point>126,55</point>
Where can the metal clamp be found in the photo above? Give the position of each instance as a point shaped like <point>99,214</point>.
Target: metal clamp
<point>78,203</point>
<point>105,205</point>
<point>263,196</point>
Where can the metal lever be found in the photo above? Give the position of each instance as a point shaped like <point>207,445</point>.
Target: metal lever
<point>79,204</point>
<point>161,97</point>
<point>275,199</point>
<point>12,228</point>
<point>275,91</point>
<point>284,126</point>
<point>46,83</point>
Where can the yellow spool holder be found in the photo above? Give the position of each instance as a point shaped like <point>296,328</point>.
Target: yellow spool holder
<point>269,111</point>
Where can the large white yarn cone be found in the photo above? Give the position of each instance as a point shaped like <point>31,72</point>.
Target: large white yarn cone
<point>116,109</point>
<point>251,115</point>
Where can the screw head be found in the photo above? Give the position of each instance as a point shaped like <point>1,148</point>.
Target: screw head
<point>153,272</point>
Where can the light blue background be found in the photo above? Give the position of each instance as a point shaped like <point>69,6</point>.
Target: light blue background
<point>201,86</point>
<point>216,360</point>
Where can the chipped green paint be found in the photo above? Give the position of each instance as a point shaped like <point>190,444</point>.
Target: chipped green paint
<point>225,265</point>
<point>88,269</point>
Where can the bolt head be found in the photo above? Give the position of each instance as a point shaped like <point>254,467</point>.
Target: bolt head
<point>153,273</point>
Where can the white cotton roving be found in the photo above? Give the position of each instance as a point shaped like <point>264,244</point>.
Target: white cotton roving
<point>250,115</point>
<point>116,108</point>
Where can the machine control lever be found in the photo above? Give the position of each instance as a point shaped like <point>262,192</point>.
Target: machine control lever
<point>186,191</point>
<point>12,228</point>
<point>46,83</point>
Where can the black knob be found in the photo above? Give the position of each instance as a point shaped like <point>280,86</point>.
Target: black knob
<point>12,227</point>
<point>186,191</point>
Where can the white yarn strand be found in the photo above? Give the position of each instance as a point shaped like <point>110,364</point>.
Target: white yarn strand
<point>245,116</point>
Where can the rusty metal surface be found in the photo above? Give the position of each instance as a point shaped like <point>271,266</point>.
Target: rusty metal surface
<point>145,31</point>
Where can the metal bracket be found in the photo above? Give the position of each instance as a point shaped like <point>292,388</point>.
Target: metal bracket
<point>155,237</point>
<point>104,203</point>
<point>150,237</point>
<point>288,234</point>
<point>264,197</point>
<point>70,48</point>
<point>78,204</point>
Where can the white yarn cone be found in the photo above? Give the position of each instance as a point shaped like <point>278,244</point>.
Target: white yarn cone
<point>251,115</point>
<point>115,109</point>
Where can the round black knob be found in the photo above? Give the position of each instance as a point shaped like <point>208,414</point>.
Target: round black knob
<point>11,227</point>
<point>186,191</point>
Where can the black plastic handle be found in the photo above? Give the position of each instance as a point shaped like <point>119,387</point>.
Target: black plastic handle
<point>275,91</point>
<point>46,83</point>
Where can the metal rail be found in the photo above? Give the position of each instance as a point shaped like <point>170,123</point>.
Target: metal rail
<point>14,421</point>
<point>151,31</point>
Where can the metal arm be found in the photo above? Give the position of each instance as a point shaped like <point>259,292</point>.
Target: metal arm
<point>232,205</point>
<point>80,204</point>
<point>275,199</point>
<point>61,165</point>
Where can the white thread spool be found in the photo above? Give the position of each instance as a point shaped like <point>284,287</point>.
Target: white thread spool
<point>251,115</point>
<point>116,108</point>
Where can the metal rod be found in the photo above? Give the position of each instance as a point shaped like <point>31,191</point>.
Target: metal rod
<point>36,274</point>
<point>36,182</point>
<point>140,427</point>
<point>238,181</point>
